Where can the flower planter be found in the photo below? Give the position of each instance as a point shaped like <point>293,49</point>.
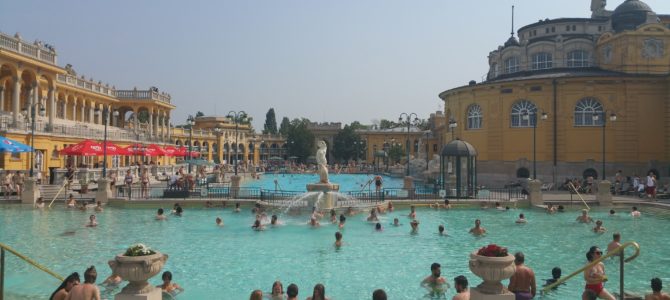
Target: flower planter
<point>137,270</point>
<point>492,270</point>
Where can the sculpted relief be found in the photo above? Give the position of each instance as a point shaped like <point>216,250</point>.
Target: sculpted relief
<point>653,48</point>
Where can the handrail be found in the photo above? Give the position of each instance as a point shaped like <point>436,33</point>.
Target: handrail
<point>579,195</point>
<point>65,183</point>
<point>617,251</point>
<point>30,261</point>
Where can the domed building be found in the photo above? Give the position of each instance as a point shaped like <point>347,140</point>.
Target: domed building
<point>573,97</point>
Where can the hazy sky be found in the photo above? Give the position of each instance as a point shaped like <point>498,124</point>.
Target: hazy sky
<point>345,60</point>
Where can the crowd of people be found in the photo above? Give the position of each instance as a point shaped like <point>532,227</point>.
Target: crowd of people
<point>648,186</point>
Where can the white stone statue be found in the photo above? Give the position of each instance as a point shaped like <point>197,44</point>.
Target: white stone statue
<point>322,162</point>
<point>598,9</point>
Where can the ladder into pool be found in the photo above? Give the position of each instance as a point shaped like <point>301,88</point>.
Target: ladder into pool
<point>4,248</point>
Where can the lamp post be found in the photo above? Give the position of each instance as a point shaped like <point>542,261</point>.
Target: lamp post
<point>33,107</point>
<point>596,117</point>
<point>526,117</point>
<point>217,131</point>
<point>105,116</point>
<point>452,127</point>
<point>408,120</point>
<point>190,121</point>
<point>237,116</point>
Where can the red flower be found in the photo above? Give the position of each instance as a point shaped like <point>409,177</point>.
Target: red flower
<point>492,250</point>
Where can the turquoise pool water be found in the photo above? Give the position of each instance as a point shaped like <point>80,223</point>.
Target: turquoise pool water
<point>298,182</point>
<point>229,262</point>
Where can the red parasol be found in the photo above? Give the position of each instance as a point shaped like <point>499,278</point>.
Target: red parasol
<point>83,148</point>
<point>144,150</point>
<point>154,150</point>
<point>113,149</point>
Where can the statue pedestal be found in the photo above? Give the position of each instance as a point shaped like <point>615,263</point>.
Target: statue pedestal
<point>104,193</point>
<point>328,200</point>
<point>408,185</point>
<point>604,196</point>
<point>155,294</point>
<point>535,192</point>
<point>31,191</point>
<point>477,295</point>
<point>234,185</point>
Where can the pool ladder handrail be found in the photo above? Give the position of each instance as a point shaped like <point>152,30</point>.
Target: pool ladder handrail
<point>578,195</point>
<point>618,251</point>
<point>4,248</point>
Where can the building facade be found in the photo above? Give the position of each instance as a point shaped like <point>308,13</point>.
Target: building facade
<point>572,97</point>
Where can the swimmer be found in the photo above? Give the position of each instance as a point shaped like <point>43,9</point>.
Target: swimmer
<point>112,281</point>
<point>92,222</point>
<point>168,286</point>
<point>478,229</point>
<point>498,207</point>
<point>380,209</point>
<point>599,227</point>
<point>314,222</point>
<point>343,219</point>
<point>412,212</point>
<point>98,207</point>
<point>551,209</point>
<point>316,214</point>
<point>615,243</point>
<point>440,230</point>
<point>415,226</point>
<point>333,216</point>
<point>446,204</point>
<point>350,211</point>
<point>584,218</point>
<point>522,219</point>
<point>389,207</point>
<point>435,282</point>
<point>273,220</point>
<point>612,213</point>
<point>82,207</point>
<point>635,213</point>
<point>373,216</point>
<point>338,239</point>
<point>160,216</point>
<point>40,203</point>
<point>71,203</point>
<point>178,212</point>
<point>219,221</point>
<point>277,291</point>
<point>258,226</point>
<point>378,227</point>
<point>237,207</point>
<point>396,222</point>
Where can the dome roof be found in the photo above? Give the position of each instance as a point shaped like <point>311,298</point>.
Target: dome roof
<point>458,148</point>
<point>511,42</point>
<point>630,14</point>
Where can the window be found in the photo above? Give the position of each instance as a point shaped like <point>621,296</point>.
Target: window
<point>523,114</point>
<point>553,29</point>
<point>512,65</point>
<point>567,28</point>
<point>578,59</point>
<point>541,61</point>
<point>584,111</point>
<point>546,30</point>
<point>474,117</point>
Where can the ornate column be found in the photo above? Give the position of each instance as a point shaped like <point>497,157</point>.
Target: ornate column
<point>91,116</point>
<point>2,97</point>
<point>74,109</point>
<point>34,98</point>
<point>52,106</point>
<point>115,120</point>
<point>15,100</point>
<point>83,110</point>
<point>151,122</point>
<point>167,123</point>
<point>136,114</point>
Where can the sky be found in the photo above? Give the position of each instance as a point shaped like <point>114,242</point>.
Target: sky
<point>328,61</point>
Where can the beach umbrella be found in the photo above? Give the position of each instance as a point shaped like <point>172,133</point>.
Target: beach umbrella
<point>113,149</point>
<point>155,150</point>
<point>171,151</point>
<point>144,150</point>
<point>83,148</point>
<point>12,146</point>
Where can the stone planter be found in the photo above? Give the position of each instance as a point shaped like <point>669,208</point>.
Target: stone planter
<point>137,270</point>
<point>492,270</point>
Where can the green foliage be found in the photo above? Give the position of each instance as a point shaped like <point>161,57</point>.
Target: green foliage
<point>284,127</point>
<point>347,144</point>
<point>143,116</point>
<point>199,114</point>
<point>300,140</point>
<point>386,124</point>
<point>357,125</point>
<point>139,250</point>
<point>270,126</point>
<point>396,153</point>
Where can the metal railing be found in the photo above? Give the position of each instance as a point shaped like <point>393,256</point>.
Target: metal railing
<point>618,252</point>
<point>31,262</point>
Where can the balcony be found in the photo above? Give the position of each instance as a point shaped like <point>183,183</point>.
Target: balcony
<point>151,94</point>
<point>35,50</point>
<point>89,85</point>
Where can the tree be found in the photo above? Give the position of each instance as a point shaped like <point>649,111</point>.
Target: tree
<point>357,125</point>
<point>386,124</point>
<point>199,114</point>
<point>284,127</point>
<point>300,140</point>
<point>346,144</point>
<point>270,126</point>
<point>396,153</point>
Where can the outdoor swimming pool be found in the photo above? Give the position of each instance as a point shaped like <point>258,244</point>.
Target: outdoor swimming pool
<point>229,262</point>
<point>298,182</point>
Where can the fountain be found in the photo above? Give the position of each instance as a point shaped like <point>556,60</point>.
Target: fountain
<point>325,199</point>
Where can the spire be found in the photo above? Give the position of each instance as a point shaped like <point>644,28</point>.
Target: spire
<point>512,33</point>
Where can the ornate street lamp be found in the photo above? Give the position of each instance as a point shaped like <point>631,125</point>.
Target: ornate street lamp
<point>33,108</point>
<point>596,117</point>
<point>190,121</point>
<point>526,116</point>
<point>409,121</point>
<point>105,116</point>
<point>237,117</point>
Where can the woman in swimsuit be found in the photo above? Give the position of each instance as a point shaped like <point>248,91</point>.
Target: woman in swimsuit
<point>378,183</point>
<point>595,277</point>
<point>168,286</point>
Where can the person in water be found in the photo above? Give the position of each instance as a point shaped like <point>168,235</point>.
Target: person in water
<point>92,222</point>
<point>555,276</point>
<point>274,221</point>
<point>656,287</point>
<point>415,226</point>
<point>314,222</point>
<point>98,207</point>
<point>88,290</point>
<point>440,230</point>
<point>258,226</point>
<point>378,227</point>
<point>461,286</point>
<point>478,229</point>
<point>584,218</point>
<point>521,219</point>
<point>62,291</point>
<point>615,243</point>
<point>338,239</point>
<point>237,207</point>
<point>396,222</point>
<point>319,293</point>
<point>343,219</point>
<point>160,215</point>
<point>412,212</point>
<point>435,282</point>
<point>522,283</point>
<point>373,216</point>
<point>634,212</point>
<point>277,291</point>
<point>599,227</point>
<point>219,221</point>
<point>595,277</point>
<point>333,216</point>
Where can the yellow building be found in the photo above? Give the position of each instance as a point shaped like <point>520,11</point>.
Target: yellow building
<point>578,95</point>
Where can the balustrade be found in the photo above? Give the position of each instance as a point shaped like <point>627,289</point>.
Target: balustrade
<point>35,51</point>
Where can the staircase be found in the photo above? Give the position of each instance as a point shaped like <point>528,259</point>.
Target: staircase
<point>49,191</point>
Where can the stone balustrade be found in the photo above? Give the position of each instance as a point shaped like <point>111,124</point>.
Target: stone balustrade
<point>34,50</point>
<point>89,85</point>
<point>143,94</point>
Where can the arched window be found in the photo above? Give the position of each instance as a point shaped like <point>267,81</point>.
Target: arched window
<point>584,111</point>
<point>522,173</point>
<point>541,61</point>
<point>512,65</point>
<point>523,114</point>
<point>474,117</point>
<point>578,59</point>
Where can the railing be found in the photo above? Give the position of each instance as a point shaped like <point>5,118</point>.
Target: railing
<point>146,94</point>
<point>86,84</point>
<point>618,251</point>
<point>4,248</point>
<point>32,50</point>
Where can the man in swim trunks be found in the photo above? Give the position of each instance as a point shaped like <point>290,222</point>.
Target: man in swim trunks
<point>595,277</point>
<point>634,212</point>
<point>599,227</point>
<point>435,278</point>
<point>461,286</point>
<point>478,229</point>
<point>412,212</point>
<point>522,219</point>
<point>88,290</point>
<point>522,283</point>
<point>92,222</point>
<point>338,239</point>
<point>615,243</point>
